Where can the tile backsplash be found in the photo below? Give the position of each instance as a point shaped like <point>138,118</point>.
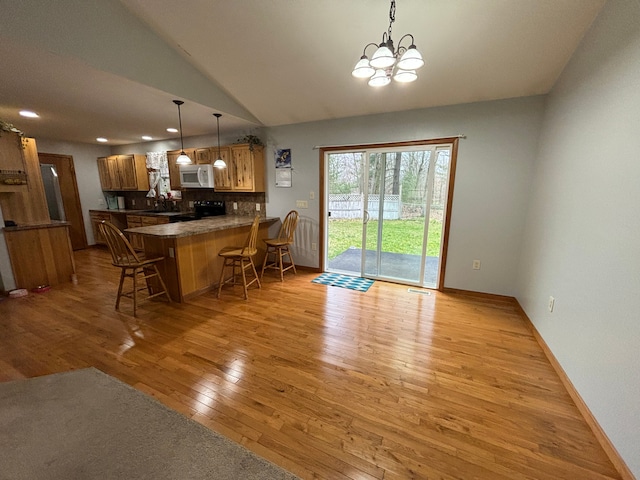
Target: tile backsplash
<point>246,202</point>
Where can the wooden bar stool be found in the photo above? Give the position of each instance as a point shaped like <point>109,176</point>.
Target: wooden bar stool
<point>241,258</point>
<point>279,247</point>
<point>132,265</point>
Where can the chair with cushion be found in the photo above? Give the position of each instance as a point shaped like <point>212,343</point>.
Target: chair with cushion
<point>132,265</point>
<point>279,246</point>
<point>241,258</point>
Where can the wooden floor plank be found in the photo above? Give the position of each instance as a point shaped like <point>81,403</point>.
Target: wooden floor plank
<point>326,382</point>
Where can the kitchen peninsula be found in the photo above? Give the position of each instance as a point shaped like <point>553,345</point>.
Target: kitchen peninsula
<point>191,264</point>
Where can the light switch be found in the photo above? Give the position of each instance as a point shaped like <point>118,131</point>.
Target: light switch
<point>302,204</point>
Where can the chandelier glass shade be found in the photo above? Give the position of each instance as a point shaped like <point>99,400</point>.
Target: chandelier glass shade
<point>219,163</point>
<point>387,62</point>
<point>182,159</point>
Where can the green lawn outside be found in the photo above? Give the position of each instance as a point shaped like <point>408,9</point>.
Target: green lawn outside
<point>399,236</point>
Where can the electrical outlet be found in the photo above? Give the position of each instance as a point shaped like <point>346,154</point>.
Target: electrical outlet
<point>552,301</point>
<point>235,205</point>
<point>257,207</point>
<point>148,202</point>
<point>171,252</point>
<point>476,264</point>
<point>101,201</point>
<point>190,204</point>
<point>133,202</point>
<point>314,246</point>
<point>302,204</point>
<point>312,195</point>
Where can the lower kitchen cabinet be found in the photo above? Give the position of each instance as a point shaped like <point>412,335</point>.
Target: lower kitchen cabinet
<point>134,221</point>
<point>96,218</point>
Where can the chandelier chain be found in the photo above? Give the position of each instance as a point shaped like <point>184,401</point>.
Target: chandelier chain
<point>392,15</point>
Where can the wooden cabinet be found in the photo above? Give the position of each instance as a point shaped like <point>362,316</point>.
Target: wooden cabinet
<point>28,204</point>
<point>174,168</point>
<point>222,176</point>
<point>245,169</point>
<point>13,175</point>
<point>123,172</point>
<point>40,255</point>
<point>204,156</point>
<point>105,175</point>
<point>133,221</point>
<point>96,218</point>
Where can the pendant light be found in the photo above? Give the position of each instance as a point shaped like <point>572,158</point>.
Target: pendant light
<point>219,163</point>
<point>183,159</point>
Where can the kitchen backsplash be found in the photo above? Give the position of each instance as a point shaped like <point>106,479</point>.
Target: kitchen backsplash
<point>246,202</point>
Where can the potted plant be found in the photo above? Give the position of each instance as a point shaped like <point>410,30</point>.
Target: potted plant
<point>251,140</point>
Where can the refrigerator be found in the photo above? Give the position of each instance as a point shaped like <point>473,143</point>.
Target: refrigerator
<point>52,191</point>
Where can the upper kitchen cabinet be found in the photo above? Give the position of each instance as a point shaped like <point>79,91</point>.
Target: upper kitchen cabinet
<point>247,168</point>
<point>174,168</point>
<point>222,176</point>
<point>105,175</point>
<point>123,172</point>
<point>203,156</point>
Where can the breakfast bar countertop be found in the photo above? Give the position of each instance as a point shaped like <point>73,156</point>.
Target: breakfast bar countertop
<point>197,227</point>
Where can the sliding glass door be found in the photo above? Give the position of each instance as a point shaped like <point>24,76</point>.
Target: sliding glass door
<point>386,211</point>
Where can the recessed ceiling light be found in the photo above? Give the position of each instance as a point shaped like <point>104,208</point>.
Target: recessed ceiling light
<point>147,137</point>
<point>29,114</point>
<point>172,130</point>
<point>102,139</point>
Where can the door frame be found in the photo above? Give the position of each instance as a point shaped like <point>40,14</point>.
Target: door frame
<point>71,201</point>
<point>452,173</point>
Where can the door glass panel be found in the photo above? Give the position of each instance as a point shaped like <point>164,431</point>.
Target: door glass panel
<point>397,205</point>
<point>344,223</point>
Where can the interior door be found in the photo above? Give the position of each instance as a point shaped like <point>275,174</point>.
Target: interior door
<point>70,196</point>
<point>386,209</point>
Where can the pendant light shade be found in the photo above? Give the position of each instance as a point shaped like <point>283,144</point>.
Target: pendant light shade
<point>363,69</point>
<point>383,57</point>
<point>219,163</point>
<point>183,159</point>
<point>411,59</point>
<point>379,79</point>
<point>405,76</point>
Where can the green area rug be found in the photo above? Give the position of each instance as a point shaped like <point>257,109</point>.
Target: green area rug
<point>87,425</point>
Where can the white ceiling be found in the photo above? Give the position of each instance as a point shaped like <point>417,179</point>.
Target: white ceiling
<point>111,67</point>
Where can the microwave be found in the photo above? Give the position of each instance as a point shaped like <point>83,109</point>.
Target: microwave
<point>196,176</point>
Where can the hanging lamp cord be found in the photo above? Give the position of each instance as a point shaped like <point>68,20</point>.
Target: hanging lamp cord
<point>180,122</point>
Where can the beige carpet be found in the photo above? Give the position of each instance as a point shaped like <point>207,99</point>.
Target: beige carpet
<point>87,425</point>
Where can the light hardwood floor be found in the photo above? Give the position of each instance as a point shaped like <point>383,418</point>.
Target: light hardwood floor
<point>323,381</point>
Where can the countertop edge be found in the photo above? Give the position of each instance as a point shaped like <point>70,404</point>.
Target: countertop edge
<point>36,226</point>
<point>197,227</point>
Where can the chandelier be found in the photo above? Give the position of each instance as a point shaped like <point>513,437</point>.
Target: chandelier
<point>386,62</point>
